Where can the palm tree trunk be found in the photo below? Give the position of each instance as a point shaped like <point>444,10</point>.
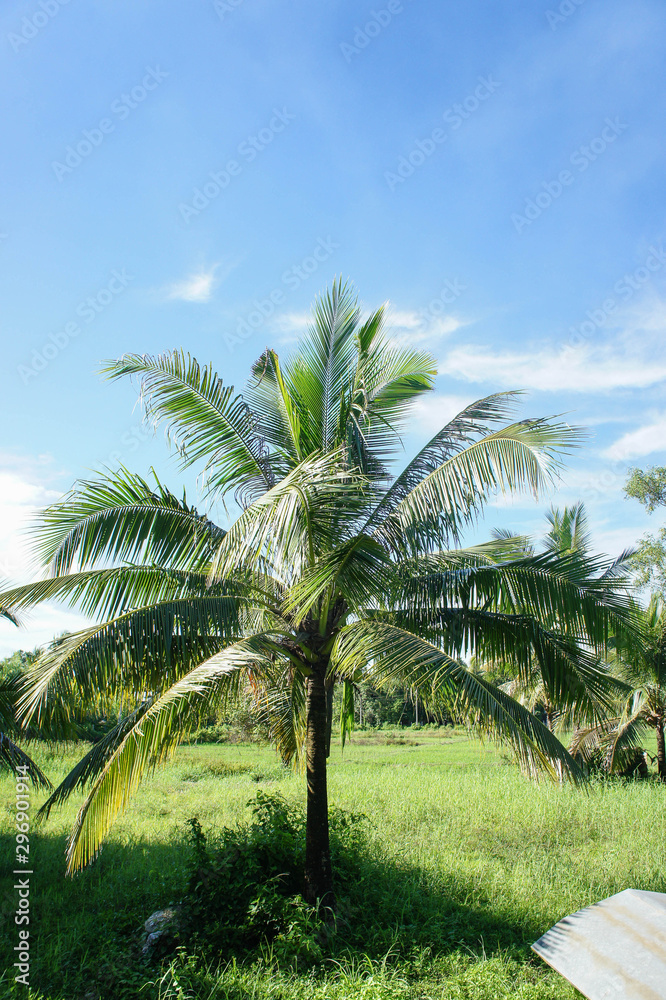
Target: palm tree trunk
<point>318,874</point>
<point>330,685</point>
<point>661,751</point>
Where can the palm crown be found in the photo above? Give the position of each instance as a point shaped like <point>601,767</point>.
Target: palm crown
<point>334,568</point>
<point>642,708</point>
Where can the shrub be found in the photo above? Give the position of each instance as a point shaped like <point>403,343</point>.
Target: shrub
<point>244,893</point>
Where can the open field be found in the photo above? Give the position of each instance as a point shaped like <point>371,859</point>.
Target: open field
<point>467,863</point>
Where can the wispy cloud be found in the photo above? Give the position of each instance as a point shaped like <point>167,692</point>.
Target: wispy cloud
<point>643,441</point>
<point>626,351</point>
<point>408,326</point>
<point>620,364</point>
<point>432,412</point>
<point>291,326</point>
<point>405,326</point>
<point>197,287</point>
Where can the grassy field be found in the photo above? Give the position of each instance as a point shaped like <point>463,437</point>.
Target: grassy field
<point>466,863</point>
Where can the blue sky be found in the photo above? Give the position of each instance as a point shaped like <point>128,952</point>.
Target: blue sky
<point>494,170</point>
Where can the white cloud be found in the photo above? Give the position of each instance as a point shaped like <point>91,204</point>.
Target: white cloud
<point>574,369</point>
<point>411,327</point>
<point>614,541</point>
<point>25,486</point>
<point>643,441</point>
<point>21,494</point>
<point>431,412</point>
<point>291,325</point>
<point>198,287</point>
<point>39,628</point>
<point>406,327</point>
<point>628,350</point>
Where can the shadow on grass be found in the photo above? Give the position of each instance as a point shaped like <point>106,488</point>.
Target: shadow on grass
<point>85,931</point>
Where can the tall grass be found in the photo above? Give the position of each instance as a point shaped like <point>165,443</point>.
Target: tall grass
<point>466,864</point>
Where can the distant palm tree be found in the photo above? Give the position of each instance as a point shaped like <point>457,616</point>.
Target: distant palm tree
<point>335,568</point>
<point>643,669</point>
<point>569,530</point>
<point>568,538</point>
<point>12,757</point>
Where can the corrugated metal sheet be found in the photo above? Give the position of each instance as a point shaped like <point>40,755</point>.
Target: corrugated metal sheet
<point>614,950</point>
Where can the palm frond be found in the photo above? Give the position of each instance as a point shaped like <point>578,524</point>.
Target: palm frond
<point>286,527</point>
<point>278,410</point>
<point>474,422</point>
<point>569,530</point>
<point>280,698</point>
<point>105,593</point>
<point>154,736</point>
<point>204,419</point>
<point>389,654</point>
<point>121,517</point>
<point>551,588</point>
<point>143,650</point>
<point>358,571</point>
<point>522,456</point>
<point>323,366</point>
<point>9,614</point>
<point>612,742</point>
<point>93,763</point>
<point>19,763</point>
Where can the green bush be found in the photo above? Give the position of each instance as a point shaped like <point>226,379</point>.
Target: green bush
<point>244,892</point>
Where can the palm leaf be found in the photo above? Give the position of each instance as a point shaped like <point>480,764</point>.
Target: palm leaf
<point>120,517</point>
<point>106,592</point>
<point>154,736</point>
<point>473,422</point>
<point>389,654</point>
<point>17,761</point>
<point>93,763</point>
<point>143,650</point>
<point>325,363</point>
<point>205,421</point>
<point>283,530</point>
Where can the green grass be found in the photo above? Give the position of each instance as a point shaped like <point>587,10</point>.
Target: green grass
<point>467,863</point>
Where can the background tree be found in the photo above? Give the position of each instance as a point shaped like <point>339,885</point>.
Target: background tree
<point>568,537</point>
<point>13,756</point>
<point>649,561</point>
<point>334,569</point>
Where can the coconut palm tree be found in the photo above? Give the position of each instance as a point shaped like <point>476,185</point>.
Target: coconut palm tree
<point>567,537</point>
<point>568,529</point>
<point>642,668</point>
<point>334,568</point>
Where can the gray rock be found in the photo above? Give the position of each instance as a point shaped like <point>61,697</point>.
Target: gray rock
<point>160,931</point>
